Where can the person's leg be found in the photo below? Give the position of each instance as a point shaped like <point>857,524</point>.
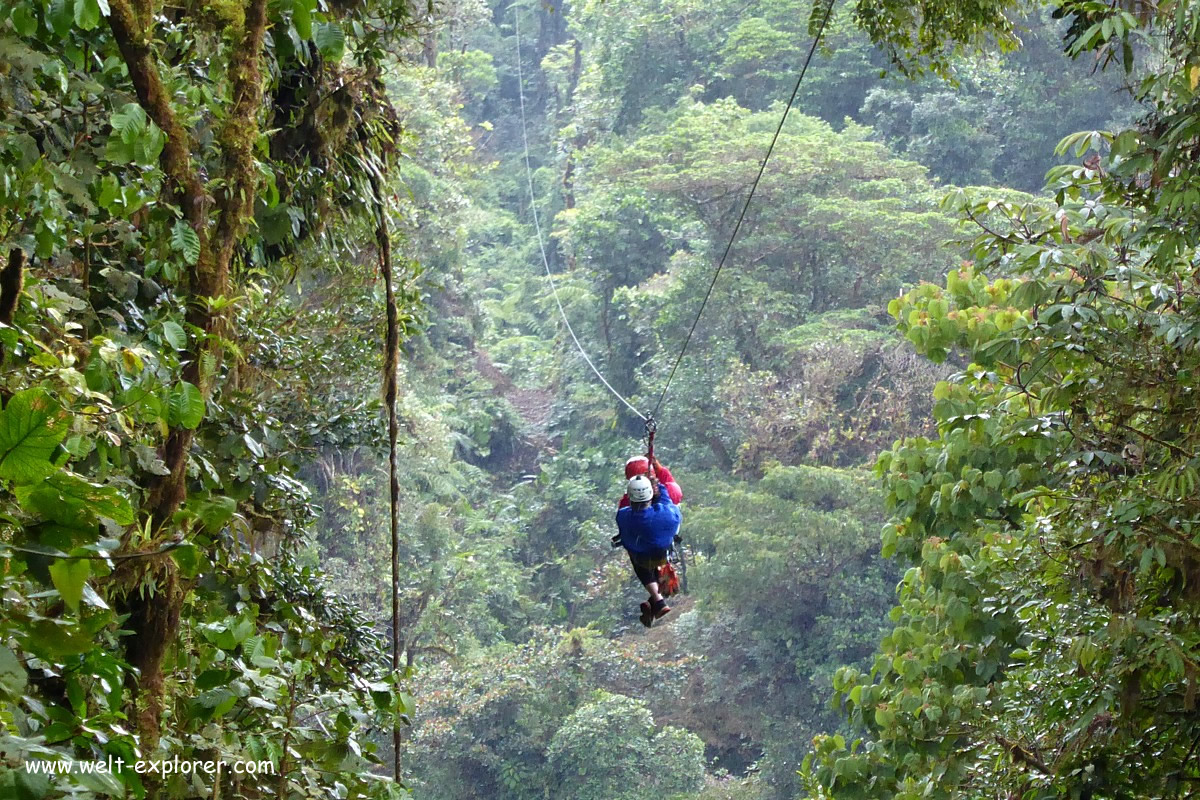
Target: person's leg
<point>656,606</point>
<point>648,577</point>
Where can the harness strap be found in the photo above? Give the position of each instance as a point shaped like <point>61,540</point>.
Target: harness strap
<point>651,428</point>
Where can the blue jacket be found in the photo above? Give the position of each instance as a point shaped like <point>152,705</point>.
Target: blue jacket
<point>651,529</point>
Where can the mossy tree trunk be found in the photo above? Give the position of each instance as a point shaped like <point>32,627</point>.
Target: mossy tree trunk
<point>219,222</point>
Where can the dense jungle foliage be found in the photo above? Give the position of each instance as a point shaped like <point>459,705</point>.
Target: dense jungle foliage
<point>961,311</point>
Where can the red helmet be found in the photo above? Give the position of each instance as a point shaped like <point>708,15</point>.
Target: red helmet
<point>638,465</point>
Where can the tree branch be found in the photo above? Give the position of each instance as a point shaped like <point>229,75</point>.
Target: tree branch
<point>133,40</point>
<point>1024,756</point>
<point>238,137</point>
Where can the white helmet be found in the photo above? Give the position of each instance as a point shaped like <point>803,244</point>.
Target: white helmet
<point>639,489</point>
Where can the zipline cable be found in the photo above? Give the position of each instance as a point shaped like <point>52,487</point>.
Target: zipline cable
<point>754,187</point>
<point>538,225</point>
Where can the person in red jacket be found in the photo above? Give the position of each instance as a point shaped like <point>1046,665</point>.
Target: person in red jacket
<point>640,465</point>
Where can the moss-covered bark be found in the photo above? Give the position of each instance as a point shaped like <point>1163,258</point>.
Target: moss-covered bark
<point>219,224</point>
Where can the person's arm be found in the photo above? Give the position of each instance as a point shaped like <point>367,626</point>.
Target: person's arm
<point>668,480</point>
<point>672,510</point>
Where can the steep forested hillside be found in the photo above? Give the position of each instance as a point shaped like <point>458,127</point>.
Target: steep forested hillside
<point>215,217</point>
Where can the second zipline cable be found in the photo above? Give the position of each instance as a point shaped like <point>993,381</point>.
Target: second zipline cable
<point>538,225</point>
<point>746,206</point>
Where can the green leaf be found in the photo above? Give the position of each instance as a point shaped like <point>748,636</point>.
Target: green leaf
<point>128,124</point>
<point>104,783</point>
<point>187,558</point>
<point>61,16</point>
<point>134,137</point>
<point>93,599</point>
<point>51,641</point>
<point>215,512</point>
<point>215,702</point>
<point>71,500</point>
<point>186,406</point>
<point>148,146</point>
<point>87,14</point>
<point>13,679</point>
<point>212,678</point>
<point>69,576</point>
<point>118,151</point>
<point>24,21</point>
<point>185,241</point>
<point>29,785</point>
<point>173,331</point>
<point>31,426</point>
<point>302,18</point>
<point>253,445</point>
<point>330,40</point>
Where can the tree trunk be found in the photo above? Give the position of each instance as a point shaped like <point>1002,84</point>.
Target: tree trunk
<point>429,47</point>
<point>154,619</point>
<point>391,363</point>
<point>724,460</point>
<point>12,278</point>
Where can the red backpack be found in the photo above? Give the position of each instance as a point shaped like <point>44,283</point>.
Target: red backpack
<point>668,581</point>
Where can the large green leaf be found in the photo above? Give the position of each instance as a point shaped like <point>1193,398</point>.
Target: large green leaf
<point>302,18</point>
<point>31,426</point>
<point>52,641</point>
<point>173,331</point>
<point>87,14</point>
<point>104,783</point>
<point>135,138</point>
<point>29,785</point>
<point>188,558</point>
<point>72,500</point>
<point>24,21</point>
<point>129,122</point>
<point>330,40</point>
<point>213,703</point>
<point>148,146</point>
<point>60,16</point>
<point>70,576</point>
<point>186,406</point>
<point>185,241</point>
<point>215,512</point>
<point>13,679</point>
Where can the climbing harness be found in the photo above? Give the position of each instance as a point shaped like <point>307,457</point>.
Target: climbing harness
<point>672,576</point>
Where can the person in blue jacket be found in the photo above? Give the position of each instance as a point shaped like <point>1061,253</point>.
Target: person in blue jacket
<point>648,526</point>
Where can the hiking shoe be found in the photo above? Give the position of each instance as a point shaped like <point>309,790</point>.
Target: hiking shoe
<point>647,618</point>
<point>660,609</point>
